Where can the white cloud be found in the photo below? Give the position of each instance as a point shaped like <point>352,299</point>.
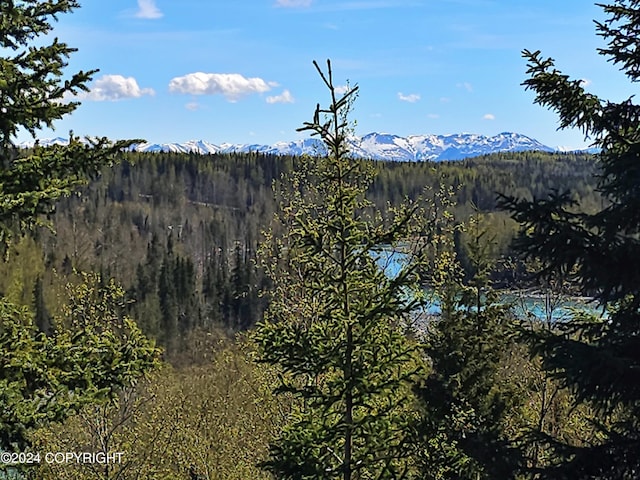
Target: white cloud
<point>466,85</point>
<point>193,106</point>
<point>445,99</point>
<point>284,97</point>
<point>488,116</point>
<point>293,3</point>
<point>147,9</point>
<point>114,87</point>
<point>344,89</point>
<point>585,82</point>
<point>411,98</point>
<point>231,85</point>
<point>433,115</point>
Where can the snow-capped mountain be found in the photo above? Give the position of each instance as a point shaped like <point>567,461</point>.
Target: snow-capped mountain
<point>377,146</point>
<point>591,150</point>
<point>442,147</point>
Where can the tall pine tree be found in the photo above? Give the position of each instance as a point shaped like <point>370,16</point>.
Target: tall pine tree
<point>335,325</point>
<point>598,357</point>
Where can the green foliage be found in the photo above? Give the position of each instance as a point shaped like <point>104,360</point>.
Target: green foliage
<point>211,420</point>
<point>94,351</point>
<point>171,299</point>
<point>34,94</point>
<point>31,183</point>
<point>599,252</point>
<point>336,323</point>
<point>467,401</point>
<point>221,202</point>
<point>20,271</point>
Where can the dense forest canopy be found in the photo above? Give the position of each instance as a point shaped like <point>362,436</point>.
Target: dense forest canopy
<point>186,227</point>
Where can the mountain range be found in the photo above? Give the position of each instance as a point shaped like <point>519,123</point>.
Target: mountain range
<point>377,146</point>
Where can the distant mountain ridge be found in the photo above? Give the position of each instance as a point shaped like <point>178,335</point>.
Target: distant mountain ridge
<point>376,146</point>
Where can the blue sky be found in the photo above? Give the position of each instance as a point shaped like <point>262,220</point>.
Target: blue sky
<point>241,71</point>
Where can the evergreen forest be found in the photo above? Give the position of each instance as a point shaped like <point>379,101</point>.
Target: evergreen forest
<point>181,232</point>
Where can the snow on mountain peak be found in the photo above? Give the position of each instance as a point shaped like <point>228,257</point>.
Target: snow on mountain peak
<point>376,146</point>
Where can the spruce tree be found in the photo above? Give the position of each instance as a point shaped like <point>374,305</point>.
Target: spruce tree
<point>42,317</point>
<point>596,356</point>
<point>94,350</point>
<point>34,94</point>
<point>336,322</point>
<point>463,433</point>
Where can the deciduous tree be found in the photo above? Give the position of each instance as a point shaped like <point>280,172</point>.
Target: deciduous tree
<point>94,351</point>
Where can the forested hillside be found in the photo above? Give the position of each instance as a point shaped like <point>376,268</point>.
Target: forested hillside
<point>180,232</point>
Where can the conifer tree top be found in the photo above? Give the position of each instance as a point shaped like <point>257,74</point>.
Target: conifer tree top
<point>33,90</point>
